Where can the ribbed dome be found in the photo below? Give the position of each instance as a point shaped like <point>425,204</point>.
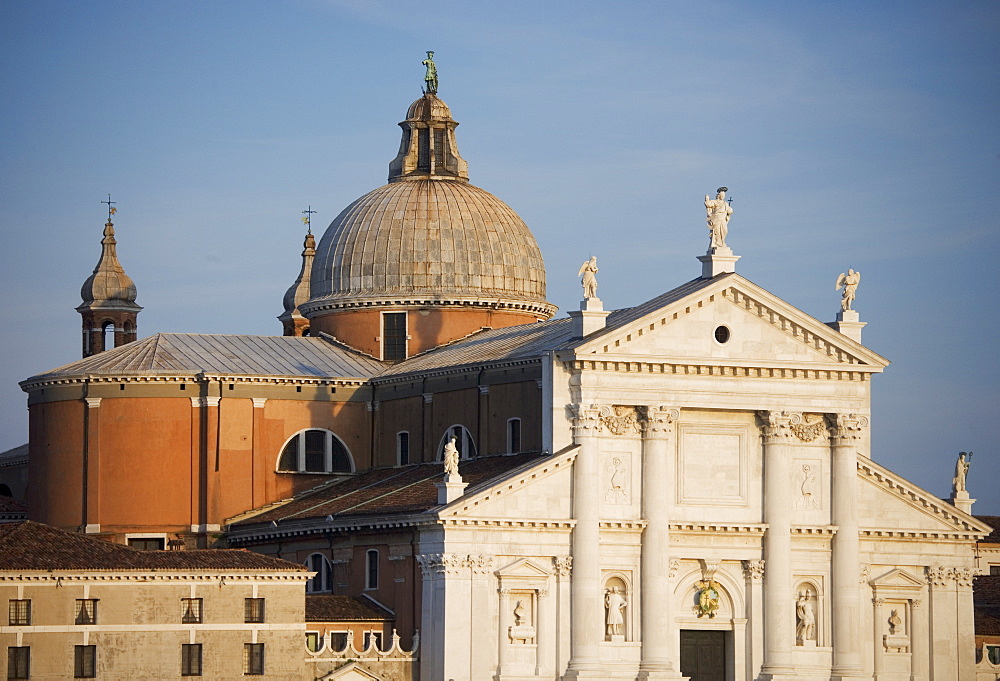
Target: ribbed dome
<point>431,240</point>
<point>109,286</point>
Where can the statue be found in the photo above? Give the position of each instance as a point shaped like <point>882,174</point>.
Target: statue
<point>431,76</point>
<point>615,604</point>
<point>451,457</point>
<point>589,271</point>
<point>961,472</point>
<point>850,283</point>
<point>805,618</point>
<point>894,621</point>
<point>719,212</point>
<point>519,613</point>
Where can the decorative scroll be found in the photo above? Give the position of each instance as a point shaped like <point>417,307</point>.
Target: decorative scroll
<point>846,429</point>
<point>564,565</point>
<point>777,425</point>
<point>658,421</point>
<point>588,419</point>
<point>623,421</point>
<point>753,570</point>
<point>812,426</point>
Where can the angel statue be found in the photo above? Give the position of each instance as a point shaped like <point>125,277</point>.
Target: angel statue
<point>849,282</point>
<point>588,270</point>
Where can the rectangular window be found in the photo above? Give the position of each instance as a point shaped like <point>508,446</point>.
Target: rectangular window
<point>403,448</point>
<point>19,612</point>
<point>995,570</point>
<point>191,611</point>
<point>86,611</point>
<point>19,662</point>
<point>513,436</point>
<point>371,576</point>
<point>253,610</point>
<point>316,451</point>
<point>393,336</point>
<point>312,641</point>
<point>253,659</point>
<point>190,659</point>
<point>146,543</point>
<point>84,662</point>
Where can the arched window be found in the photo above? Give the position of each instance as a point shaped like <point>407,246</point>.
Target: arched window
<point>371,569</point>
<point>108,335</point>
<point>323,581</point>
<point>463,442</point>
<point>315,451</point>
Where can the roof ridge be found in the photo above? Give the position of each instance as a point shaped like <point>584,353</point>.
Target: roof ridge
<point>336,342</point>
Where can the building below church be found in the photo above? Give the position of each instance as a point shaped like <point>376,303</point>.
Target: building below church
<point>683,488</point>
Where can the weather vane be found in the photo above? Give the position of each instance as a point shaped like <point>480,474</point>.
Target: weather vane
<point>111,207</point>
<point>309,212</point>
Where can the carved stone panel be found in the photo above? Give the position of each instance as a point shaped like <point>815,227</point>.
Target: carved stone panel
<point>713,462</point>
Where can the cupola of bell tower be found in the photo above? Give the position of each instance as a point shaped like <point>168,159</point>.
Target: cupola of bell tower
<point>292,321</point>
<point>109,311</point>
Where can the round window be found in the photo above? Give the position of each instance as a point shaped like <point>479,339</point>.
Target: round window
<point>722,334</point>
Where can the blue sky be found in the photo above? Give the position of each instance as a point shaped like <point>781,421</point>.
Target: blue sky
<point>851,134</point>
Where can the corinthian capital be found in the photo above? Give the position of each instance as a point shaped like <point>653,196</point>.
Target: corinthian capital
<point>658,420</point>
<point>776,426</point>
<point>846,429</point>
<point>588,419</point>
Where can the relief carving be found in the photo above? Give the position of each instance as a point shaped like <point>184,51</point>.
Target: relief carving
<point>812,426</point>
<point>588,419</point>
<point>963,576</point>
<point>846,429</point>
<point>776,426</point>
<point>808,490</point>
<point>658,420</point>
<point>708,598</point>
<point>753,570</point>
<point>618,488</point>
<point>564,565</point>
<point>622,421</point>
<point>938,575</point>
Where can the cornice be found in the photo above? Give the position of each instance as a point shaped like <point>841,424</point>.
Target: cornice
<point>718,528</point>
<point>266,532</point>
<point>452,370</point>
<point>633,364</point>
<point>190,379</point>
<point>510,523</point>
<point>347,302</point>
<point>61,577</point>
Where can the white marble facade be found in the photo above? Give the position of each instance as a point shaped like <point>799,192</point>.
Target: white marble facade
<point>703,485</point>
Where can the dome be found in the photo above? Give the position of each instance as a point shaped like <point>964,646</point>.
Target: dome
<point>428,241</point>
<point>109,286</point>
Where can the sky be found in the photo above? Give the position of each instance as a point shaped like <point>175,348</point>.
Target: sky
<point>851,134</point>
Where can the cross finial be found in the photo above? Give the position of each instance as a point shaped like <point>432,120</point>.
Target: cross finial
<point>308,212</point>
<point>111,207</point>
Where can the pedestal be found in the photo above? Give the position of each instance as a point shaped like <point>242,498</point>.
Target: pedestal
<point>849,324</point>
<point>717,260</point>
<point>452,488</point>
<point>589,318</point>
<point>962,502</point>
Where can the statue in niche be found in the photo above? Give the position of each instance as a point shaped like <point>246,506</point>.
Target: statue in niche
<point>520,613</point>
<point>961,471</point>
<point>588,272</point>
<point>431,76</point>
<point>719,211</point>
<point>849,282</point>
<point>894,622</point>
<point>451,457</point>
<point>808,488</point>
<point>615,616</point>
<point>618,492</point>
<point>805,618</point>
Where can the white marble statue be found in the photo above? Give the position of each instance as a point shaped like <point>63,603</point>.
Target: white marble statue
<point>894,622</point>
<point>588,270</point>
<point>719,212</point>
<point>805,618</point>
<point>519,613</point>
<point>451,457</point>
<point>849,282</point>
<point>961,472</point>
<point>615,617</point>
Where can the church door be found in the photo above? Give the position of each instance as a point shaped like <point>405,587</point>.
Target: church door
<point>703,655</point>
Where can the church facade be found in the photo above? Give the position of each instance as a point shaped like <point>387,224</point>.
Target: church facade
<point>684,488</point>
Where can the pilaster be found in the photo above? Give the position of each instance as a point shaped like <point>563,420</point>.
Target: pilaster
<point>753,573</point>
<point>92,465</point>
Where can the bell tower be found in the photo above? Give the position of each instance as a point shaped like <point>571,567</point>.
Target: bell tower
<point>109,311</point>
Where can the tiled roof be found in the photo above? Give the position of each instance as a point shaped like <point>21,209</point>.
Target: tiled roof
<point>994,522</point>
<point>531,340</point>
<point>986,590</point>
<point>33,546</point>
<point>333,608</point>
<point>193,353</point>
<point>407,489</point>
<point>987,621</point>
<point>14,455</point>
<point>12,505</point>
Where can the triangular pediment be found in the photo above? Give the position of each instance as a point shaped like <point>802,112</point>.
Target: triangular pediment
<point>897,579</point>
<point>891,507</point>
<point>762,329</point>
<point>538,493</point>
<point>525,567</point>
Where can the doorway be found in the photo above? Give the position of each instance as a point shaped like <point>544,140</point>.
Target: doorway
<point>703,654</point>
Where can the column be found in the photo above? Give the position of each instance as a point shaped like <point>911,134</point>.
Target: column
<point>964,616</point>
<point>483,604</point>
<point>779,606</point>
<point>502,642</point>
<point>920,660</point>
<point>455,592</point>
<point>92,465</point>
<point>586,593</point>
<point>544,635</point>
<point>877,637</point>
<point>845,437</point>
<point>563,570</point>
<point>660,660</point>
<point>429,623</point>
<point>753,572</point>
